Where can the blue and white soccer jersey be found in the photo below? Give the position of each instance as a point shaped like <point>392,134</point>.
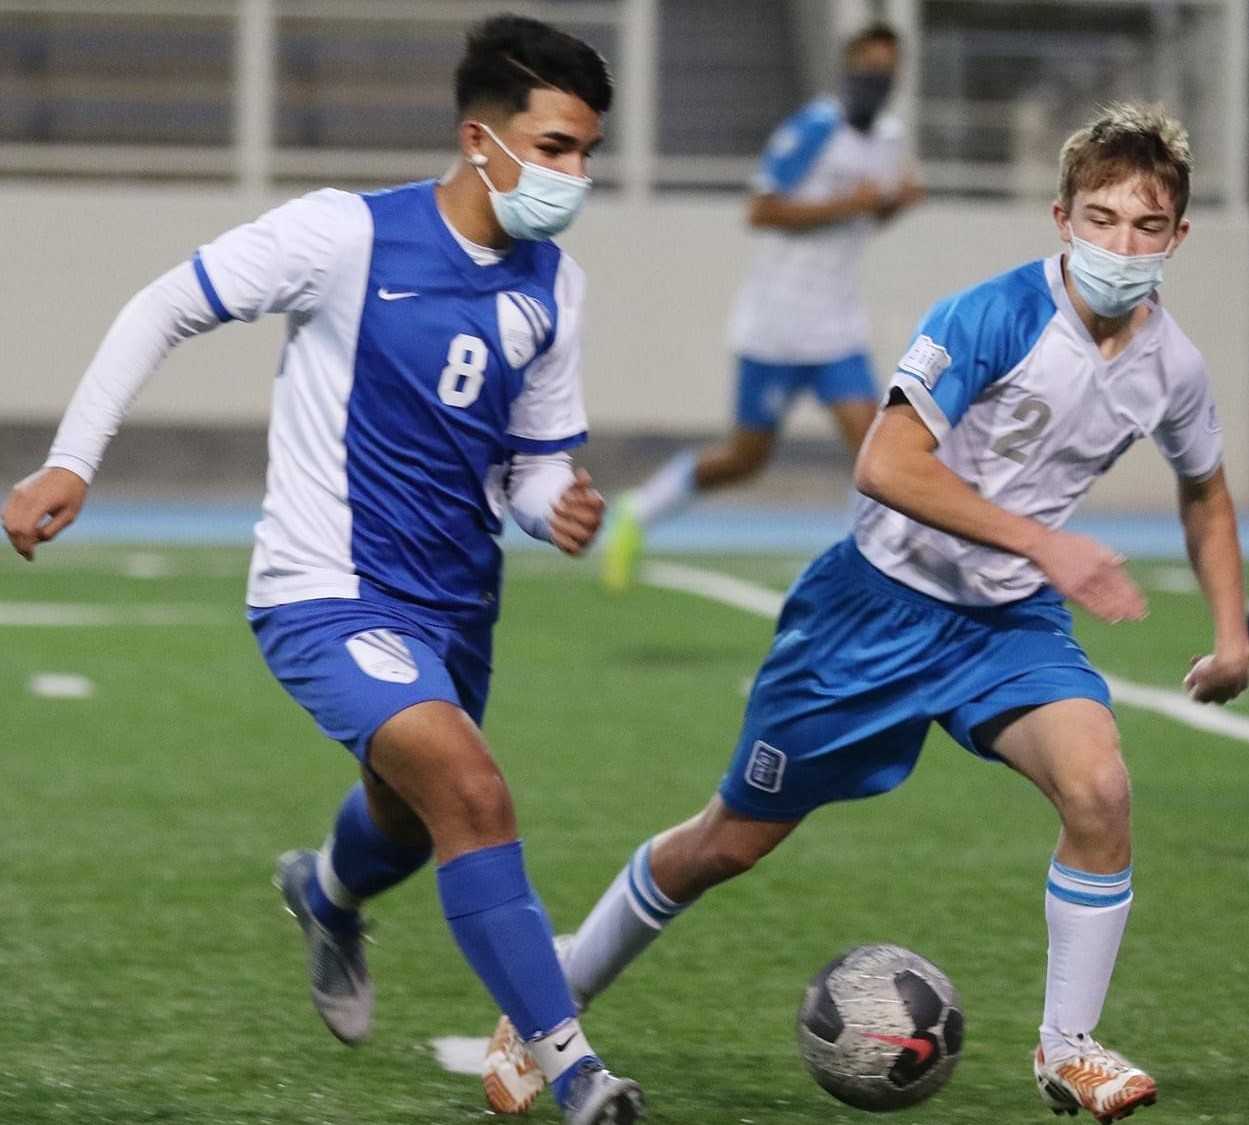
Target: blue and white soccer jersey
<point>1028,411</point>
<point>903,625</point>
<point>411,374</point>
<point>800,302</point>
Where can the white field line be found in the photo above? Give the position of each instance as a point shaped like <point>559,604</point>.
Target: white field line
<point>460,1054</point>
<point>760,600</point>
<point>80,615</point>
<point>60,685</point>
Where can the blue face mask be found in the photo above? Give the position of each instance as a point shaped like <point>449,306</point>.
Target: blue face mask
<point>1113,284</point>
<point>543,202</point>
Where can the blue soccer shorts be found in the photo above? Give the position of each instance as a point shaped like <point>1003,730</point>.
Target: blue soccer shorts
<point>352,664</point>
<point>861,665</point>
<point>765,391</point>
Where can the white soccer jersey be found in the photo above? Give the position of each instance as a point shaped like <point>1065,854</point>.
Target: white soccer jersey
<point>1029,413</point>
<point>800,300</point>
<point>413,371</point>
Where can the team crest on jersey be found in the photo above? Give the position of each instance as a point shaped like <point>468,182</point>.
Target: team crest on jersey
<point>766,767</point>
<point>383,655</point>
<point>524,326</point>
<point>925,360</point>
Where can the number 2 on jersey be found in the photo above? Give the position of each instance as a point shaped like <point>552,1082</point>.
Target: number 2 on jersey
<point>462,378</point>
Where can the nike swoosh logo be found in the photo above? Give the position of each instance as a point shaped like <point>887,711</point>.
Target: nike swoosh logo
<point>564,1045</point>
<point>388,295</point>
<point>922,1048</point>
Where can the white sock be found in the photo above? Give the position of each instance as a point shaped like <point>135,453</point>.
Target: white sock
<point>556,1051</point>
<point>1086,914</point>
<point>331,885</point>
<point>668,490</point>
<point>631,914</point>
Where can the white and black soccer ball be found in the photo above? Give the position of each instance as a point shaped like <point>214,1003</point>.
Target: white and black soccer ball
<point>880,1027</point>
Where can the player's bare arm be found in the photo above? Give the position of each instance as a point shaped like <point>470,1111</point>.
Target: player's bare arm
<point>41,506</point>
<point>772,209</point>
<point>898,467</point>
<point>1209,519</point>
<point>577,515</point>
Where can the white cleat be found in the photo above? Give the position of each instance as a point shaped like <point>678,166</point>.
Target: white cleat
<point>1093,1078</point>
<point>510,1076</point>
<point>598,1097</point>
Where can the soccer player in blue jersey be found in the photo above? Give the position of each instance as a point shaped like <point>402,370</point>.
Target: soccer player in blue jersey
<point>429,381</point>
<point>946,604</point>
<point>830,174</point>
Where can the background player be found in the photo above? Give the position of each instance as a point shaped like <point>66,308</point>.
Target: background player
<point>829,174</point>
<point>946,604</point>
<point>430,376</point>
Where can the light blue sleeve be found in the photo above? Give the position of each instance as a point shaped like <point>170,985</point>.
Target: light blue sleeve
<point>969,340</point>
<point>795,145</point>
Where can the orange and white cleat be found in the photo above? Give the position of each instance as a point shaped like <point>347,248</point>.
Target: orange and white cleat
<point>1093,1078</point>
<point>510,1076</point>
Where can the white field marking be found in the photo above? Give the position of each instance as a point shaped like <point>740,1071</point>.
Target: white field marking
<point>460,1054</point>
<point>60,685</point>
<point>1172,580</point>
<point>146,564</point>
<point>767,603</point>
<point>79,615</point>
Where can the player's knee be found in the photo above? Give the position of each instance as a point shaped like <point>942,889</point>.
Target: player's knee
<point>1099,798</point>
<point>485,805</point>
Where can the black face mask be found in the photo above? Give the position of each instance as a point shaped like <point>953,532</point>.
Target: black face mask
<point>863,96</point>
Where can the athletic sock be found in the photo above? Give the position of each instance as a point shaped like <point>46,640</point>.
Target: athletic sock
<point>357,862</point>
<point>1086,914</point>
<point>503,932</point>
<point>669,489</point>
<point>631,914</point>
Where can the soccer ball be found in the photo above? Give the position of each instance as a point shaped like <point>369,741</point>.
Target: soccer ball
<point>880,1028</point>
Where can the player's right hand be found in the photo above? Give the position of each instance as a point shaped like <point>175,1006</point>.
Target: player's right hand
<point>1091,575</point>
<point>42,506</point>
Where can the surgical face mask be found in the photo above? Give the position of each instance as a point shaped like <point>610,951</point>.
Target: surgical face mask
<point>1113,284</point>
<point>542,203</point>
<point>863,96</point>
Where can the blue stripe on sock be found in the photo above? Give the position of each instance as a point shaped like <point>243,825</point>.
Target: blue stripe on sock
<point>1090,878</point>
<point>642,867</point>
<point>1080,898</point>
<point>643,904</point>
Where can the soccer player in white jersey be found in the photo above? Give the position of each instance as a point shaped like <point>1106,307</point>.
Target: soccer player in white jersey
<point>430,378</point>
<point>829,175</point>
<point>946,604</point>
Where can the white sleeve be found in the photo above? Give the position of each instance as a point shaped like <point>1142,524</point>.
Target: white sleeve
<point>549,413</point>
<point>170,310</point>
<point>280,262</point>
<point>534,483</point>
<point>1190,434</point>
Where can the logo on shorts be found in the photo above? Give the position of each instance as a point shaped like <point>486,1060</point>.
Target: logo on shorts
<point>383,655</point>
<point>766,767</point>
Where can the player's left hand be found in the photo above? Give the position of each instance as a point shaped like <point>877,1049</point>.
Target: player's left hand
<point>577,515</point>
<point>1217,678</point>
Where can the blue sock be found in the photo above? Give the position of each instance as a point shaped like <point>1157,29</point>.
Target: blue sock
<point>362,862</point>
<point>503,931</point>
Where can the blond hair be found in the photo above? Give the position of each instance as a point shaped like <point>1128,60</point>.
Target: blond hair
<point>1127,139</point>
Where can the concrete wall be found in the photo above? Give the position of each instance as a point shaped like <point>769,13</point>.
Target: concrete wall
<point>661,282</point>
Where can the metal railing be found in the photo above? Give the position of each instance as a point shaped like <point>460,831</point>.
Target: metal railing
<point>278,109</point>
